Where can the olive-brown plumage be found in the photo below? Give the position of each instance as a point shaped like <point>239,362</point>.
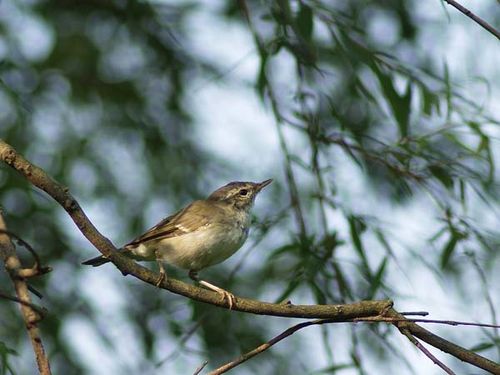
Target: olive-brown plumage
<point>204,233</point>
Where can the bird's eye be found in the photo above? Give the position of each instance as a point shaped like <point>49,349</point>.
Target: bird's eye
<point>243,192</point>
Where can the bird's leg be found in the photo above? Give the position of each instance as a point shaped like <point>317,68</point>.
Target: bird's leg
<point>163,274</point>
<point>231,299</point>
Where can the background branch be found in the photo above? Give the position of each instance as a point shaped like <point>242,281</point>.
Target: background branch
<point>261,348</point>
<point>424,350</point>
<point>475,18</point>
<point>31,315</point>
<point>435,321</point>
<point>442,344</point>
<point>42,311</point>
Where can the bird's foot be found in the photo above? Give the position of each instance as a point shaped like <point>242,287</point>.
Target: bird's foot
<point>231,299</point>
<point>161,278</point>
<point>163,274</point>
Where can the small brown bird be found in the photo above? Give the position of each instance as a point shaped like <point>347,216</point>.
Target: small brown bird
<point>204,233</point>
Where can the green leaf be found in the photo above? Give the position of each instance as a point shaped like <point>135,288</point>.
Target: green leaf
<point>484,147</point>
<point>262,82</point>
<point>342,282</point>
<point>376,281</point>
<point>357,226</point>
<point>292,247</point>
<point>334,368</point>
<point>400,104</point>
<point>296,281</point>
<point>438,234</point>
<point>305,21</point>
<point>448,92</point>
<point>462,192</point>
<point>430,101</point>
<point>383,241</point>
<point>5,351</point>
<point>448,249</point>
<point>481,347</point>
<point>318,292</point>
<point>442,174</point>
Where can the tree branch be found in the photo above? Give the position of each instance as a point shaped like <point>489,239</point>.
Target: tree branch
<point>42,311</point>
<point>442,344</point>
<point>61,194</point>
<point>424,350</point>
<point>261,348</point>
<point>475,18</point>
<point>31,315</point>
<point>334,313</point>
<point>36,269</point>
<point>435,321</point>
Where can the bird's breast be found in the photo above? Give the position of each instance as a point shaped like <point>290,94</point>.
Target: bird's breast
<point>204,247</point>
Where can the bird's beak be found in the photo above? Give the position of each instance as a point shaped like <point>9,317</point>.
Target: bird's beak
<point>263,184</point>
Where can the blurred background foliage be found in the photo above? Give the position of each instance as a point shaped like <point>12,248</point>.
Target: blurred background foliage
<point>374,137</point>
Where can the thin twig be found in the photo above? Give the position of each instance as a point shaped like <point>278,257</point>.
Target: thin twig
<point>442,344</point>
<point>489,300</point>
<point>186,336</point>
<point>393,166</point>
<point>261,348</point>
<point>292,185</point>
<point>422,313</point>
<point>32,289</point>
<point>436,321</point>
<point>475,18</point>
<point>24,243</point>
<point>200,368</point>
<point>30,314</point>
<point>36,269</point>
<point>42,311</point>
<point>424,350</point>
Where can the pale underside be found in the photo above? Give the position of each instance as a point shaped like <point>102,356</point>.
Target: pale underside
<point>190,239</point>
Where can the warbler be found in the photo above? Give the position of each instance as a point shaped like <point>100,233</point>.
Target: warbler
<point>204,233</point>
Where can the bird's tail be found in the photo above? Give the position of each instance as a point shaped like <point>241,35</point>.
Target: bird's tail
<point>97,261</point>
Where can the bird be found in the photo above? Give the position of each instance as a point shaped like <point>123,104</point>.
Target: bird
<point>204,233</point>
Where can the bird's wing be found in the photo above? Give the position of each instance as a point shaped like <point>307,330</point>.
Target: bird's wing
<point>187,220</point>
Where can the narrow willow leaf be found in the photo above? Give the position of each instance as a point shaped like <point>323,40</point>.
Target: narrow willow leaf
<point>305,21</point>
<point>448,249</point>
<point>376,281</point>
<point>442,174</point>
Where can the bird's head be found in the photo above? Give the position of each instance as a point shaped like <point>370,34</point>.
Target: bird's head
<point>240,194</point>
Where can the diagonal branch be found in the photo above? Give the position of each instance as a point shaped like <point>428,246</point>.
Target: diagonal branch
<point>424,350</point>
<point>61,194</point>
<point>442,344</point>
<point>261,348</point>
<point>475,18</point>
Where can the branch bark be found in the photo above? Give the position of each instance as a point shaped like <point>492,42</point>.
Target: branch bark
<point>334,313</point>
<point>31,315</point>
<point>475,18</point>
<point>262,348</point>
<point>442,344</point>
